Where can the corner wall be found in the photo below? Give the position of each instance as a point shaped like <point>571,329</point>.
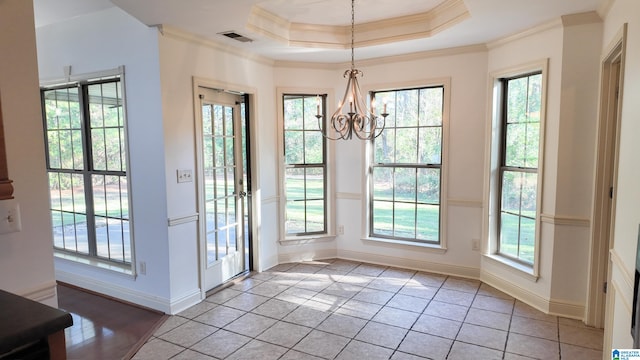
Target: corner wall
<point>26,257</point>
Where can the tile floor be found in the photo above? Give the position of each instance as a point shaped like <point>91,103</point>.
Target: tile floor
<point>338,309</point>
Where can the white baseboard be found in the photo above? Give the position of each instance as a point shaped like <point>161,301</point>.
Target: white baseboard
<point>440,268</point>
<point>44,293</point>
<point>307,256</point>
<point>547,306</point>
<point>164,305</point>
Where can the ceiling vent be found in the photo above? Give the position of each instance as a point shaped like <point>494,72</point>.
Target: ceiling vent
<point>235,36</point>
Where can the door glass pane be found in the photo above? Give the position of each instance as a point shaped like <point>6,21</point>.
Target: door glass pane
<point>220,187</point>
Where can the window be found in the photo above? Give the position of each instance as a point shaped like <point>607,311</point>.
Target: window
<point>87,166</point>
<point>305,167</point>
<point>406,166</point>
<point>520,147</point>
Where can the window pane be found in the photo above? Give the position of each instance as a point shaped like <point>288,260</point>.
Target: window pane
<point>382,183</point>
<point>405,184</point>
<point>430,151</point>
<point>431,106</point>
<point>509,234</point>
<point>428,222</point>
<point>404,220</point>
<point>429,186</point>
<point>304,175</point>
<point>406,166</point>
<point>385,146</point>
<point>406,145</point>
<point>313,142</point>
<point>383,218</point>
<point>294,147</point>
<point>106,234</point>
<point>519,182</point>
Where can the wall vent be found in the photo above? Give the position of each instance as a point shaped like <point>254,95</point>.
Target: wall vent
<point>235,36</point>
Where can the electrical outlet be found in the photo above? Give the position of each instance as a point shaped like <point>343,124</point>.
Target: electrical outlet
<point>142,267</point>
<point>10,216</point>
<point>340,229</point>
<point>184,175</point>
<point>475,245</point>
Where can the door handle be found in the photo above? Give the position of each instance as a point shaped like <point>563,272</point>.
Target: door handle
<point>242,194</point>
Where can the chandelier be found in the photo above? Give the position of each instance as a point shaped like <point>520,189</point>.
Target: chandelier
<point>356,118</point>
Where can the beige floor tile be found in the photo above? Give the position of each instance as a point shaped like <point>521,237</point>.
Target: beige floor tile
<point>306,316</point>
<point>532,327</point>
<point>275,308</point>
<point>374,296</point>
<point>585,337</point>
<point>428,279</point>
<point>359,309</point>
<point>437,326</point>
<point>488,290</point>
<point>297,355</point>
<point>490,303</point>
<point>157,349</point>
<point>568,351</point>
<point>322,344</point>
<point>532,347</point>
<point>482,336</point>
<point>524,310</point>
<point>463,351</point>
<point>192,355</point>
<point>399,355</point>
<point>250,324</point>
<point>420,291</point>
<point>409,303</point>
<point>221,344</point>
<point>258,350</point>
<point>368,270</point>
<point>197,310</point>
<point>268,289</point>
<point>396,317</point>
<point>382,334</point>
<point>397,273</point>
<point>454,297</point>
<point>460,284</point>
<point>488,319</point>
<point>246,301</point>
<point>446,311</point>
<point>343,290</point>
<point>425,345</point>
<point>223,296</point>
<point>296,295</point>
<point>360,350</point>
<point>342,325</point>
<point>219,316</point>
<point>170,323</point>
<point>189,333</point>
<point>284,334</point>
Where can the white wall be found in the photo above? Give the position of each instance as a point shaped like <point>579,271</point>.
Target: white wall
<point>102,41</point>
<point>467,74</point>
<point>26,257</point>
<point>628,192</point>
<point>182,59</point>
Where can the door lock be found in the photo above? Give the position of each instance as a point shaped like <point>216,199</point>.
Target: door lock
<point>242,194</point>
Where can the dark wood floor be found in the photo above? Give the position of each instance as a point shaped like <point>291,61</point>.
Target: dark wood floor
<point>103,328</point>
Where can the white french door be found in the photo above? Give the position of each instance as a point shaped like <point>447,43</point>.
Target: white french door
<point>221,183</point>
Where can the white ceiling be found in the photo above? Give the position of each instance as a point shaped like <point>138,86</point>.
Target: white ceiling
<point>488,20</point>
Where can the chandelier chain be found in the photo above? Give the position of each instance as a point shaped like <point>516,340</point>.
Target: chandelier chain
<point>353,17</point>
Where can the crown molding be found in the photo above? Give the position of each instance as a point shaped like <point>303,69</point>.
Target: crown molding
<point>178,34</point>
<point>409,27</point>
<point>590,17</point>
<point>525,33</point>
<point>478,48</point>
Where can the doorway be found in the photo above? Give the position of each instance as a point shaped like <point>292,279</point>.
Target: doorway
<point>602,230</point>
<point>224,185</point>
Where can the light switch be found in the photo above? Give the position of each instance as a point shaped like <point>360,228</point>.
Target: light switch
<point>185,175</point>
<point>9,216</point>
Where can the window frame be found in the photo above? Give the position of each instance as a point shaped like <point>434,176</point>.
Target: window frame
<point>441,245</point>
<point>82,83</point>
<point>495,159</point>
<point>326,95</point>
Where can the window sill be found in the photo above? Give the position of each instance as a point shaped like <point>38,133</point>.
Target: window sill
<point>429,247</point>
<point>297,240</point>
<point>96,263</point>
<point>525,270</point>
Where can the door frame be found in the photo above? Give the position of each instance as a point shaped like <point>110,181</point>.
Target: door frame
<point>607,147</point>
<point>253,191</point>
